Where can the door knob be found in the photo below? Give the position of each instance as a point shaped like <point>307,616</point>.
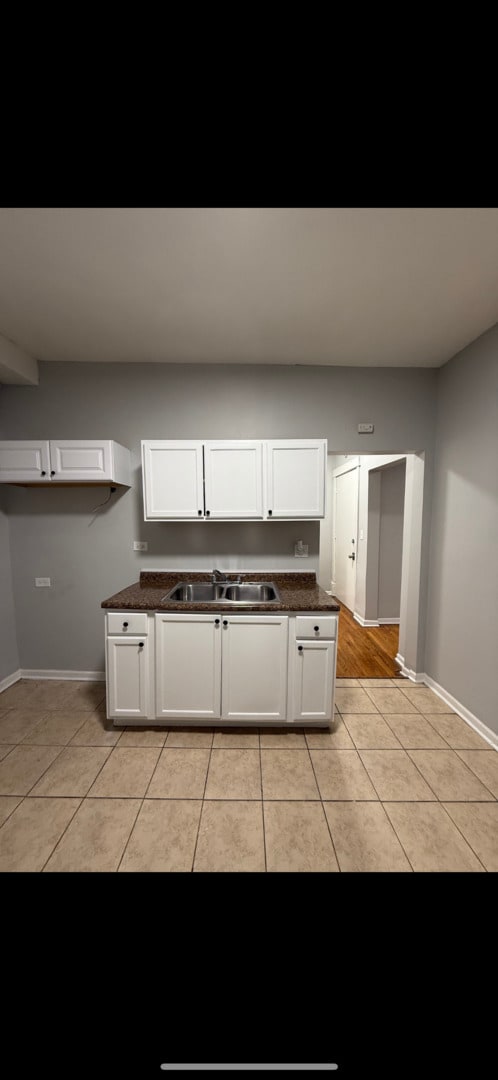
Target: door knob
<point>352,556</point>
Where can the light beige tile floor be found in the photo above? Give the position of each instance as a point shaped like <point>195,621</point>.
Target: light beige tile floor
<point>397,783</point>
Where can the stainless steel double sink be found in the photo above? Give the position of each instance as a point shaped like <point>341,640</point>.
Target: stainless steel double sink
<point>206,592</point>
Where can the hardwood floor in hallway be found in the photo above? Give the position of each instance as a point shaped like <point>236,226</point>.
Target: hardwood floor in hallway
<point>366,651</point>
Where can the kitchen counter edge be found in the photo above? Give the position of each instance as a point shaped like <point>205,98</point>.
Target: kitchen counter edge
<point>298,592</point>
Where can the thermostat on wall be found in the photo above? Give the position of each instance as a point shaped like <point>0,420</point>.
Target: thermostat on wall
<point>365,429</point>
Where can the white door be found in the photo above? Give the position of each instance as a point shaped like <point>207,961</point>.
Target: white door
<point>90,459</point>
<point>345,536</point>
<point>296,478</point>
<point>188,666</point>
<point>173,480</point>
<point>24,461</point>
<point>254,667</point>
<point>233,475</point>
<point>127,677</point>
<point>314,666</point>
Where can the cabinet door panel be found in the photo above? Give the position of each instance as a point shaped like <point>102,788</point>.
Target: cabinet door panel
<point>188,665</point>
<point>233,475</point>
<point>173,480</point>
<point>20,460</point>
<point>254,668</point>
<point>90,459</point>
<point>127,677</point>
<point>314,666</point>
<point>296,478</point>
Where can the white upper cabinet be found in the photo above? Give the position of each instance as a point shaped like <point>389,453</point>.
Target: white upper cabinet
<point>233,476</point>
<point>27,461</point>
<point>173,480</point>
<point>234,480</point>
<point>64,461</point>
<point>296,478</point>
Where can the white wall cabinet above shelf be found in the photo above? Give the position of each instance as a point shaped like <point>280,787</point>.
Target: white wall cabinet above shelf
<point>64,462</point>
<point>241,480</point>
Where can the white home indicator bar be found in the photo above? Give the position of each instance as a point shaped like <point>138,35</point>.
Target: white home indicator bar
<point>324,1067</point>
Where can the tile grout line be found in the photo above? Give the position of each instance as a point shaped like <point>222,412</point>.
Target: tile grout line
<point>470,771</point>
<point>97,774</point>
<point>398,838</point>
<point>25,743</point>
<point>82,800</point>
<point>130,835</point>
<point>322,806</point>
<point>420,774</point>
<point>14,808</point>
<point>457,827</point>
<point>474,774</point>
<point>202,806</point>
<point>385,717</point>
<point>56,845</point>
<point>42,774</point>
<point>262,799</point>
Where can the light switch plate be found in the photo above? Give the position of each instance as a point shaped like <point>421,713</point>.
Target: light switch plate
<point>365,429</point>
<point>42,582</point>
<point>140,545</point>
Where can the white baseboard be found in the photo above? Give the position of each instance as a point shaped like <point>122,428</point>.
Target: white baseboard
<point>10,679</point>
<point>408,672</point>
<point>364,622</point>
<point>374,622</point>
<point>47,673</point>
<point>456,706</point>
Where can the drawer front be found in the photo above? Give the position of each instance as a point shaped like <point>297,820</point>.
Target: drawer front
<point>127,622</point>
<point>316,627</point>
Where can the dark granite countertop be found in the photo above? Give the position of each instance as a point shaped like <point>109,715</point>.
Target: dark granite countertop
<point>298,592</point>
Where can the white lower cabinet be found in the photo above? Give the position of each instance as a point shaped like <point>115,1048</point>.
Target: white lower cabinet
<point>188,666</point>
<point>212,666</point>
<point>254,668</point>
<point>128,680</point>
<point>313,664</point>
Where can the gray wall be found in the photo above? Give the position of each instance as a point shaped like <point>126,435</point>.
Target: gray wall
<point>368,546</point>
<point>462,605</point>
<point>54,534</point>
<point>392,497</point>
<point>9,655</point>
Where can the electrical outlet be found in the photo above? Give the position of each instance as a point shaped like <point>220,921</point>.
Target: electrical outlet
<point>41,582</point>
<point>365,429</point>
<point>140,545</point>
<point>300,550</point>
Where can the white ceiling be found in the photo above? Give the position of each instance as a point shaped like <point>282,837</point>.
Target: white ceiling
<point>373,287</point>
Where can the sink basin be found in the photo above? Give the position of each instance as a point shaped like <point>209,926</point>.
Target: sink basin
<point>196,590</point>
<point>252,592</point>
<point>205,592</point>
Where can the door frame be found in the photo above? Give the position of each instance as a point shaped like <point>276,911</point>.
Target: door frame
<point>414,569</point>
<point>348,466</point>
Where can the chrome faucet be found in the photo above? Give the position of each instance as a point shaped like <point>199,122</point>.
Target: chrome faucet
<point>223,578</point>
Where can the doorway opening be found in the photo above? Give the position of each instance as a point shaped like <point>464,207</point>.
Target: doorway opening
<point>370,560</point>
